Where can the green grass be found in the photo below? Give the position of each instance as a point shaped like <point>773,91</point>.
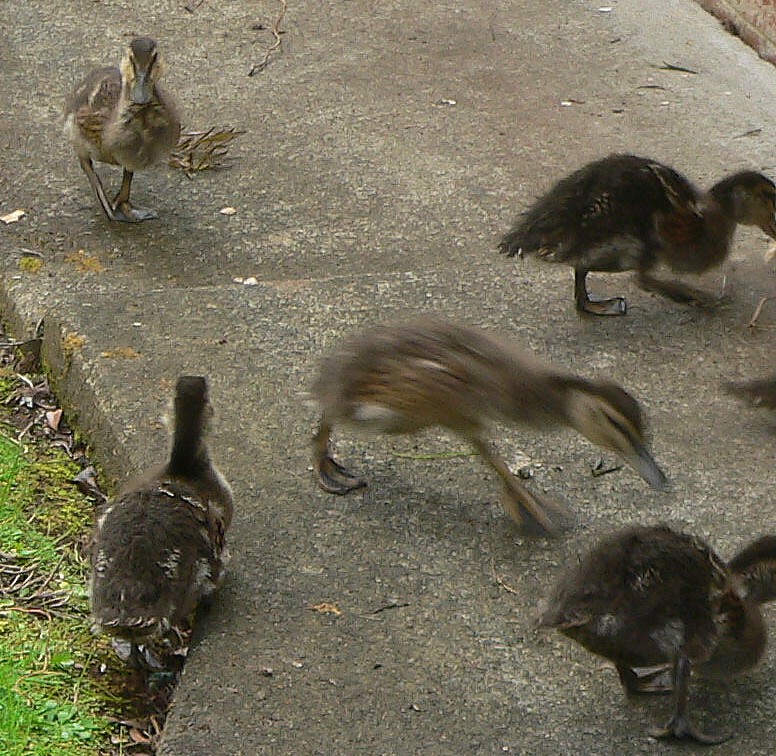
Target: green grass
<point>51,699</point>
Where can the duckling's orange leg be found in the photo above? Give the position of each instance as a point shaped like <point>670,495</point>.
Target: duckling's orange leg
<point>332,476</point>
<point>586,303</point>
<point>529,511</point>
<point>679,726</point>
<point>676,291</point>
<point>122,207</point>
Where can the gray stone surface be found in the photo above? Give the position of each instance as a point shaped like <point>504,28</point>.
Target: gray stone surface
<point>364,195</point>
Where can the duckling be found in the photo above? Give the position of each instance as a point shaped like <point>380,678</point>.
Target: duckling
<point>646,596</point>
<point>433,372</point>
<point>120,116</point>
<point>761,391</point>
<point>158,549</point>
<point>630,213</point>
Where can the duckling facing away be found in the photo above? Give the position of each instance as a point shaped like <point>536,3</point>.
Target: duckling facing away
<point>630,213</point>
<point>431,372</point>
<point>120,116</point>
<point>158,548</point>
<point>647,596</point>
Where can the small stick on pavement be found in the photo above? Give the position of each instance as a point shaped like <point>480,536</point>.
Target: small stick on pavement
<point>499,580</point>
<point>276,32</point>
<point>757,311</point>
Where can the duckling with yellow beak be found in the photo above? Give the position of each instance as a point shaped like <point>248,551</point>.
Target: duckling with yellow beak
<point>433,372</point>
<point>121,116</point>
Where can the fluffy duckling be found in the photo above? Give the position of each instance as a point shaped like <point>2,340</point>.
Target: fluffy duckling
<point>120,116</point>
<point>432,372</point>
<point>761,392</point>
<point>647,596</point>
<point>630,213</point>
<point>158,548</point>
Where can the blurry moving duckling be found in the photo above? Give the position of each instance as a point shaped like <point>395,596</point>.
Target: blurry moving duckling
<point>645,596</point>
<point>761,392</point>
<point>629,213</point>
<point>120,116</point>
<point>432,372</point>
<point>158,548</point>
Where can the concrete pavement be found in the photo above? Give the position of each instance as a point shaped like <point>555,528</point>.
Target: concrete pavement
<point>387,148</point>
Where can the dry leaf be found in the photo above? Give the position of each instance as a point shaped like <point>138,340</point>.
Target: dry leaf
<point>228,210</point>
<point>53,418</point>
<point>13,216</point>
<point>326,607</point>
<point>202,150</point>
<point>138,736</point>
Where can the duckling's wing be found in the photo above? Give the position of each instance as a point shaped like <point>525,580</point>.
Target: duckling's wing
<point>92,104</point>
<point>153,558</point>
<point>612,198</point>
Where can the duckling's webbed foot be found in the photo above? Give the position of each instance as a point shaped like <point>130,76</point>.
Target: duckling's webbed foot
<point>536,514</point>
<point>613,306</point>
<point>334,478</point>
<point>679,726</point>
<point>122,207</point>
<point>592,305</point>
<point>126,213</point>
<point>677,291</point>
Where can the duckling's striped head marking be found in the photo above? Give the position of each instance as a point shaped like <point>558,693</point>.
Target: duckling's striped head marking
<point>141,68</point>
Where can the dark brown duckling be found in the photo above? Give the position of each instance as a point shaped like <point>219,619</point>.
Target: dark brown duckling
<point>121,116</point>
<point>630,213</point>
<point>761,391</point>
<point>645,596</point>
<point>158,548</point>
<point>432,372</point>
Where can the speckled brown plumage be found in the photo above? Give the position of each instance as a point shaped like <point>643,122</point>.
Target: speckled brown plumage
<point>120,116</point>
<point>433,372</point>
<point>647,596</point>
<point>630,213</point>
<point>159,547</point>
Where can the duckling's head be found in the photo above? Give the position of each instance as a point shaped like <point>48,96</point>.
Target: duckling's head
<point>751,199</point>
<point>192,401</point>
<point>611,418</point>
<point>141,67</point>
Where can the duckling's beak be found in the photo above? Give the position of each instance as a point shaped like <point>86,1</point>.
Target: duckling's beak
<point>642,462</point>
<point>142,89</point>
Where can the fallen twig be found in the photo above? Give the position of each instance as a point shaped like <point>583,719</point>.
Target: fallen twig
<point>276,32</point>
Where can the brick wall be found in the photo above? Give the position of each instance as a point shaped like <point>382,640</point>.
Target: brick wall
<point>753,20</point>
